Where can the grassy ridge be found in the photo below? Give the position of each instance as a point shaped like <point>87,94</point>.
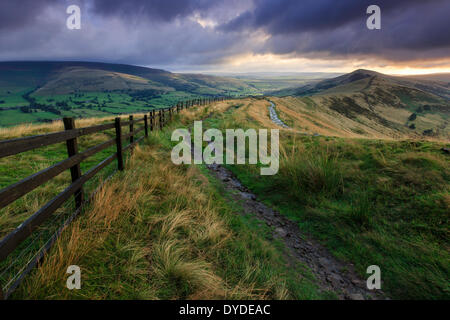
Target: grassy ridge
<point>173,234</point>
<point>176,235</point>
<point>369,201</point>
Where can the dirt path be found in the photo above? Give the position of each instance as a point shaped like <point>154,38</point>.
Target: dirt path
<point>332,275</point>
<point>274,116</point>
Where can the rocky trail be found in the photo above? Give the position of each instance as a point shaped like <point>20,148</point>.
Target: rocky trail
<point>275,119</point>
<point>274,116</point>
<point>331,274</point>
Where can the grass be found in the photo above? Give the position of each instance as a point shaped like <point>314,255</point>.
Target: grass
<point>160,231</point>
<point>369,206</point>
<point>176,234</point>
<point>17,167</point>
<point>371,202</point>
<point>82,105</point>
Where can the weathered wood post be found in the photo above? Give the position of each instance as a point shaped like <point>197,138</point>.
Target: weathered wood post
<point>131,130</point>
<point>119,144</point>
<point>75,171</point>
<point>151,120</point>
<point>146,125</point>
<point>160,120</point>
<point>154,120</point>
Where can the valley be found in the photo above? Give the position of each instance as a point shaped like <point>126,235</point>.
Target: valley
<point>197,231</point>
<point>33,92</point>
<point>363,180</point>
<point>359,104</point>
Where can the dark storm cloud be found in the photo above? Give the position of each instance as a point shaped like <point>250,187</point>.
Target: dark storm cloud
<point>338,27</point>
<point>195,32</point>
<point>16,14</point>
<point>159,9</point>
<point>289,16</point>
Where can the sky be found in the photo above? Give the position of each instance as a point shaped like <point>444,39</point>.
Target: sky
<point>233,35</point>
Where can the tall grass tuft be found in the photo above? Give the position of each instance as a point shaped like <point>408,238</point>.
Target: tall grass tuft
<point>361,211</point>
<point>310,172</point>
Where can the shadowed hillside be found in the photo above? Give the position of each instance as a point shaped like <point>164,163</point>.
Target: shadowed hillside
<point>369,104</point>
<point>52,78</point>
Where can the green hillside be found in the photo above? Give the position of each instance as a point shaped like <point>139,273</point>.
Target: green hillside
<point>43,91</point>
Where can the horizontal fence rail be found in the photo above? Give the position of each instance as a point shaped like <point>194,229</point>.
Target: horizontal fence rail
<point>155,118</point>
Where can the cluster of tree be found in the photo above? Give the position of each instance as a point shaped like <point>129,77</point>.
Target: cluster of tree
<point>51,109</point>
<point>36,105</point>
<point>62,104</point>
<point>423,108</point>
<point>429,132</point>
<point>145,95</point>
<point>26,109</point>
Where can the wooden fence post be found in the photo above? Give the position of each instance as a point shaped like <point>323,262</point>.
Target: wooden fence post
<point>154,120</point>
<point>131,129</point>
<point>119,144</point>
<point>146,125</point>
<point>160,120</point>
<point>151,120</point>
<point>75,171</point>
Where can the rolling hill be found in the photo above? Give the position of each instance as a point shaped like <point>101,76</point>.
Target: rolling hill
<point>364,80</point>
<point>44,91</point>
<point>69,77</point>
<point>370,104</point>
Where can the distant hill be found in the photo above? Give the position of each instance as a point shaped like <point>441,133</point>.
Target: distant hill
<point>53,78</point>
<point>45,91</point>
<point>369,103</point>
<point>365,80</point>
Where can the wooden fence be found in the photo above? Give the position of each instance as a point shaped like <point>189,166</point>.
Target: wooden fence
<point>156,118</point>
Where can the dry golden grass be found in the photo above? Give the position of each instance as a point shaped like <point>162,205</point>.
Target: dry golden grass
<point>319,118</point>
<point>192,213</point>
<point>28,129</point>
<point>169,221</point>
